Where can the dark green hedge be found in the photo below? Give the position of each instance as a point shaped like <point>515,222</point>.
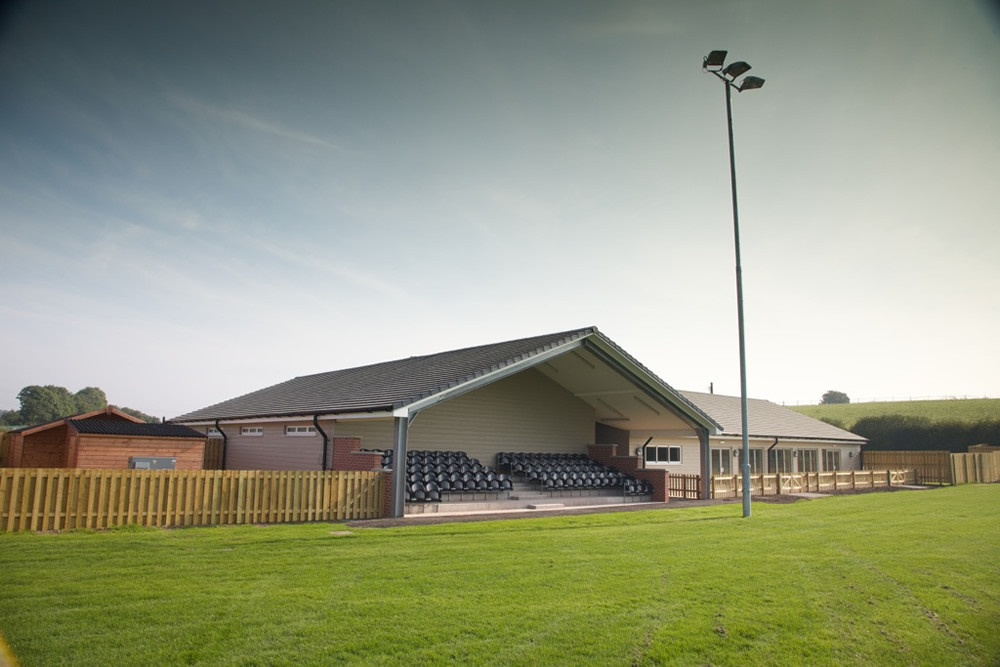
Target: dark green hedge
<point>919,433</point>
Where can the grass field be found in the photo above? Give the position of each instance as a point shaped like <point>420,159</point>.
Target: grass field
<point>909,577</point>
<point>966,410</point>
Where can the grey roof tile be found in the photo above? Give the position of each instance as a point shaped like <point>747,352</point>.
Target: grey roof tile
<point>766,419</point>
<point>383,386</point>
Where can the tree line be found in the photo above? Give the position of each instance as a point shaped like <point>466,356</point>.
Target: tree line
<point>41,404</point>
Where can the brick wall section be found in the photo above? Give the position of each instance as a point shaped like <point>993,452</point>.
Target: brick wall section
<point>660,479</point>
<point>346,456</point>
<point>632,465</point>
<point>387,494</point>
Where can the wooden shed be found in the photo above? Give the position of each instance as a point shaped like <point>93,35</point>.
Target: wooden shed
<point>106,438</point>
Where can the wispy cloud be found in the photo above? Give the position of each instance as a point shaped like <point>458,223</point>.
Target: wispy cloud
<point>248,121</point>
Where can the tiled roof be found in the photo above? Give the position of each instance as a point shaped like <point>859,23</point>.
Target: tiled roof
<point>766,419</point>
<point>117,427</point>
<point>384,386</point>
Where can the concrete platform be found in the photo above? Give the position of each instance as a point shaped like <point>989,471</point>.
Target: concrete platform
<point>522,500</point>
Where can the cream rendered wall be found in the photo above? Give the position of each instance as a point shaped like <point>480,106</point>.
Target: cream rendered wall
<point>526,412</point>
<point>690,455</point>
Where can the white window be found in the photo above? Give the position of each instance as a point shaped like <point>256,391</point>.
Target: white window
<point>213,432</point>
<point>779,460</point>
<point>721,462</point>
<point>831,459</point>
<point>663,454</point>
<point>756,461</point>
<point>252,430</point>
<point>807,460</point>
<point>300,430</point>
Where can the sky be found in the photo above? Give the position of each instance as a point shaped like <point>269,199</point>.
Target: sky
<point>201,199</point>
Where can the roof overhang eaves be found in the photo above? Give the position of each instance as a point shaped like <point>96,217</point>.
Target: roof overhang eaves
<point>649,382</point>
<point>522,362</point>
<point>357,413</point>
<point>811,438</point>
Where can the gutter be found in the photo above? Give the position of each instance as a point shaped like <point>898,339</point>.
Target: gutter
<point>225,441</point>
<point>326,438</point>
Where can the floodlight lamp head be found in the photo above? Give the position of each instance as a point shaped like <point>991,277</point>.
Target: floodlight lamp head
<point>714,61</point>
<point>750,83</point>
<point>736,69</point>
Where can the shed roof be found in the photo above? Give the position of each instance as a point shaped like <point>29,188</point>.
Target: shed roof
<point>767,420</point>
<point>128,428</point>
<point>103,414</point>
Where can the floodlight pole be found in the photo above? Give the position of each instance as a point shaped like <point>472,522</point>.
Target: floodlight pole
<point>745,452</point>
<point>713,64</point>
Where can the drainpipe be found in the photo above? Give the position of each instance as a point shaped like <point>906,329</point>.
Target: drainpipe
<point>773,445</point>
<point>642,451</point>
<point>326,439</point>
<point>225,441</point>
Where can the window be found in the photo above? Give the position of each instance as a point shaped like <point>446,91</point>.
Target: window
<point>779,460</point>
<point>213,432</point>
<point>807,460</point>
<point>831,459</point>
<point>722,462</point>
<point>663,454</point>
<point>252,430</point>
<point>756,461</point>
<point>300,430</point>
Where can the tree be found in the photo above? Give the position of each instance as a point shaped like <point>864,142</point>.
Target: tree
<point>44,404</point>
<point>10,418</point>
<point>149,419</point>
<point>89,399</point>
<point>833,396</point>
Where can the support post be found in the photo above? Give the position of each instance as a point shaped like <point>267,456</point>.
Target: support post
<point>706,464</point>
<point>400,427</point>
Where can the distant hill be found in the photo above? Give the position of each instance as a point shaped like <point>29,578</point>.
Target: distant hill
<point>965,410</point>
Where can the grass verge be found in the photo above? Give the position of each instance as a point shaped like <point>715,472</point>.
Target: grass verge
<point>904,577</point>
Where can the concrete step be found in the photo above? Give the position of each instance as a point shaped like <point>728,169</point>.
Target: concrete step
<point>536,502</point>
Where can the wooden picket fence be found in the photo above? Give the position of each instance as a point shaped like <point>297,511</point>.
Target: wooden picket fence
<point>731,486</point>
<point>213,454</point>
<point>687,487</point>
<point>40,499</point>
<point>975,468</point>
<point>941,467</point>
<point>932,467</point>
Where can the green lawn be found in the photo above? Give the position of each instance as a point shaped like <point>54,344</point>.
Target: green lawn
<point>910,577</point>
<point>965,410</point>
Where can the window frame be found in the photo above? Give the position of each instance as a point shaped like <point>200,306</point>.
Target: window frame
<point>299,431</point>
<point>252,431</point>
<point>669,450</point>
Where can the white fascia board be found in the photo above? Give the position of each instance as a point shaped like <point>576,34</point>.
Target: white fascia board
<point>381,414</point>
<point>511,369</point>
<point>653,382</point>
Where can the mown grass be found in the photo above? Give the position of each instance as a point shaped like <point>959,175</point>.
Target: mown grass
<point>965,410</point>
<point>894,578</point>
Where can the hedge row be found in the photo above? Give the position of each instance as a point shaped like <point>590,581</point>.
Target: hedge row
<point>920,433</point>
